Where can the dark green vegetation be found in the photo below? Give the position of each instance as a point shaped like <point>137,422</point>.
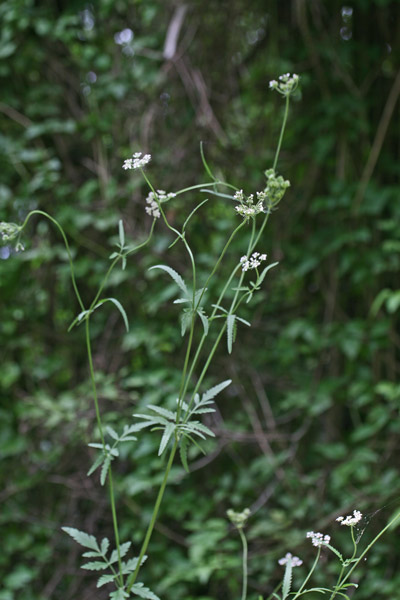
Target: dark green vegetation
<point>310,427</point>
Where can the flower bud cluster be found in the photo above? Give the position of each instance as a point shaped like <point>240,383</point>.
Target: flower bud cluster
<point>275,189</point>
<point>253,261</point>
<point>152,207</point>
<point>286,85</point>
<point>351,520</point>
<point>8,231</point>
<point>247,208</point>
<point>318,539</point>
<point>295,560</point>
<point>239,520</point>
<point>137,161</point>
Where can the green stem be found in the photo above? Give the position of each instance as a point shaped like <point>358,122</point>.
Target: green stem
<point>244,563</point>
<point>309,574</point>
<point>115,523</point>
<point>283,127</point>
<point>368,548</point>
<point>61,230</point>
<point>92,379</point>
<point>132,578</point>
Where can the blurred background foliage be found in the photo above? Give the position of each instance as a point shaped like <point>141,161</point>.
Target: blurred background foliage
<point>310,427</point>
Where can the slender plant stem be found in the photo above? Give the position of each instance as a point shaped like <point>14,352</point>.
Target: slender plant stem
<point>61,230</point>
<point>283,127</point>
<point>368,548</point>
<point>132,578</point>
<point>115,522</point>
<point>303,585</point>
<point>244,563</point>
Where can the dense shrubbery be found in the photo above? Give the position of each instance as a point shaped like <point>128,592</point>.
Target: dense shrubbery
<point>309,429</point>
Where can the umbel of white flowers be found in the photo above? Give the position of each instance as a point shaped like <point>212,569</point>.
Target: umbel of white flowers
<point>253,261</point>
<point>137,161</point>
<point>318,539</point>
<point>154,199</point>
<point>286,85</point>
<point>351,520</point>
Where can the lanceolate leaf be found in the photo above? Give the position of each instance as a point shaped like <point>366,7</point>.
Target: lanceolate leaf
<point>230,323</point>
<point>168,431</point>
<point>143,592</point>
<point>214,391</point>
<point>287,579</point>
<point>84,539</point>
<point>95,566</point>
<point>120,308</point>
<point>175,276</point>
<point>104,469</point>
<point>105,579</point>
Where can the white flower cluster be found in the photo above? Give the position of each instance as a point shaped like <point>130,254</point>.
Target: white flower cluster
<point>295,560</point>
<point>318,539</point>
<point>137,161</point>
<point>247,208</point>
<point>286,85</point>
<point>253,261</point>
<point>351,520</point>
<point>152,207</point>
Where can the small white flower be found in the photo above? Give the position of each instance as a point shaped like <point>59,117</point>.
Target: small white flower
<point>350,520</point>
<point>295,560</point>
<point>318,539</point>
<point>253,261</point>
<point>137,161</point>
<point>286,85</point>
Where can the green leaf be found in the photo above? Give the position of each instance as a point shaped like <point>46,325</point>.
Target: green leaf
<point>104,469</point>
<point>123,549</point>
<point>121,233</point>
<point>120,594</point>
<point>163,411</point>
<point>112,433</point>
<point>196,426</point>
<point>105,544</point>
<point>131,564</point>
<point>82,538</point>
<point>204,320</point>
<point>230,323</point>
<point>205,164</point>
<point>192,213</point>
<point>175,276</point>
<point>92,554</point>
<point>168,431</point>
<point>265,271</point>
<point>215,390</point>
<point>99,460</point>
<point>143,592</point>
<point>287,579</point>
<point>186,319</point>
<point>95,566</point>
<point>119,307</point>
<point>105,579</point>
